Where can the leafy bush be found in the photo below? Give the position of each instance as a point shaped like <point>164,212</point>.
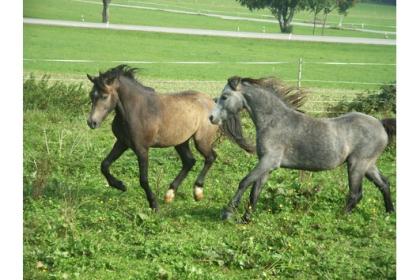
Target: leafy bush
<point>47,96</point>
<point>383,102</point>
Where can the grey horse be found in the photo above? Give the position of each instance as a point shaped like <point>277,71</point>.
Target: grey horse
<point>291,139</point>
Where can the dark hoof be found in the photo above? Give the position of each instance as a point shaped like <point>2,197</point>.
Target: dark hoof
<point>119,185</point>
<point>226,215</point>
<point>390,210</point>
<point>246,219</point>
<point>348,209</point>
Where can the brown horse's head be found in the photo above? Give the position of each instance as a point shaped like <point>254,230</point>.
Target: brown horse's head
<point>104,98</point>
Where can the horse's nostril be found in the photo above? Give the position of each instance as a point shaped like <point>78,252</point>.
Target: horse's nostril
<point>92,124</point>
<point>211,118</point>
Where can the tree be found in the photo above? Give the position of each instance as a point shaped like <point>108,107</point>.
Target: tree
<point>330,5</point>
<point>105,11</point>
<point>343,6</point>
<point>283,10</point>
<point>316,6</point>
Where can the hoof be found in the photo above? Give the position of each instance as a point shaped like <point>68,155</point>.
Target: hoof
<point>226,215</point>
<point>169,196</point>
<point>198,193</point>
<point>119,185</point>
<point>246,218</point>
<point>390,209</point>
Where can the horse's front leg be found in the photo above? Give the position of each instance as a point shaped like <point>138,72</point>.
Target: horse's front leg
<point>264,166</point>
<point>253,197</point>
<point>143,160</point>
<point>117,150</point>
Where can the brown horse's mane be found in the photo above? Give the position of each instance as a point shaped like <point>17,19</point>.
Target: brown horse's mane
<point>292,96</point>
<point>116,72</point>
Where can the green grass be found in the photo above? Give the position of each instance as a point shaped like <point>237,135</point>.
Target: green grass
<point>72,10</point>
<point>104,46</point>
<point>76,227</point>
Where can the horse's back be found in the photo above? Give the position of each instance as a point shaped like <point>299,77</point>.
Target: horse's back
<point>188,103</point>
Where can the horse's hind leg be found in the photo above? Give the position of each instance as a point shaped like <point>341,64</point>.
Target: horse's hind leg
<point>204,146</point>
<point>188,162</point>
<point>117,150</point>
<point>380,181</point>
<point>356,172</point>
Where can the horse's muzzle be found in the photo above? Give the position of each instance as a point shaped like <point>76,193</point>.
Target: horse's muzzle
<point>215,120</point>
<point>92,124</point>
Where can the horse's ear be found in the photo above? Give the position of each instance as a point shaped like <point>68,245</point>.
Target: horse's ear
<point>90,78</point>
<point>234,82</point>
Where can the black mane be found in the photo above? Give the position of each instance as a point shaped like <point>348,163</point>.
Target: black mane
<point>120,70</point>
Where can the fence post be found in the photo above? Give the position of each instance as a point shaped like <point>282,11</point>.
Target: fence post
<point>299,72</point>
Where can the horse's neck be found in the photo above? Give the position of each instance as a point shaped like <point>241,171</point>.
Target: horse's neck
<point>131,98</point>
<point>264,106</point>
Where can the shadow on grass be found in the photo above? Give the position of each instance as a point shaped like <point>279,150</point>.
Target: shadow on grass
<point>196,212</point>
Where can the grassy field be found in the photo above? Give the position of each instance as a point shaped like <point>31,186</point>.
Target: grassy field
<point>105,47</point>
<point>76,227</point>
<point>129,14</point>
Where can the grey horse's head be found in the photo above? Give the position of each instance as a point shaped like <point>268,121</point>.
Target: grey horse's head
<point>230,102</point>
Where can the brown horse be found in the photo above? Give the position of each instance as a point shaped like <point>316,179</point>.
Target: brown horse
<point>145,119</point>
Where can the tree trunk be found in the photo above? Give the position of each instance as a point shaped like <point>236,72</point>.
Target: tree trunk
<point>105,11</point>
<point>340,24</point>
<point>313,29</point>
<point>285,19</point>
<point>323,24</point>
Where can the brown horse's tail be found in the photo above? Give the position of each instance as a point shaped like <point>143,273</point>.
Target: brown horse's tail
<point>390,126</point>
<point>232,128</point>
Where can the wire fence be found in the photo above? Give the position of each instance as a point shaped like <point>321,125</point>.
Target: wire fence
<point>317,102</point>
<point>299,64</point>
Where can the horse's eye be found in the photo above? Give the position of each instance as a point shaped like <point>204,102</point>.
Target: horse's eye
<point>104,97</point>
<point>223,97</point>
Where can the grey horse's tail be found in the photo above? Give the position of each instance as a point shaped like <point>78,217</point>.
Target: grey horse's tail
<point>232,128</point>
<point>390,126</point>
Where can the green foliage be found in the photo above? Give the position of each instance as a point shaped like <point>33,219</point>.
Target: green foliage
<point>345,5</point>
<point>373,103</point>
<point>283,10</point>
<point>42,94</point>
<point>77,227</point>
<point>390,2</point>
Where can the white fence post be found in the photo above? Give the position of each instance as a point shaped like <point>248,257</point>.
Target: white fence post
<point>299,72</point>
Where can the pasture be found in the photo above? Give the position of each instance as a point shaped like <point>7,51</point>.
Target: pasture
<point>373,65</point>
<point>77,227</point>
<point>164,13</point>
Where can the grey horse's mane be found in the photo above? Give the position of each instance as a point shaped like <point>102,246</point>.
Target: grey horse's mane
<point>292,96</point>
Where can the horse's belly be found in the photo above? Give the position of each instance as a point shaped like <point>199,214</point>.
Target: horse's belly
<point>173,137</point>
<point>315,160</point>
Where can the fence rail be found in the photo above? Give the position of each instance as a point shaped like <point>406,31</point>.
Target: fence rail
<point>298,81</point>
